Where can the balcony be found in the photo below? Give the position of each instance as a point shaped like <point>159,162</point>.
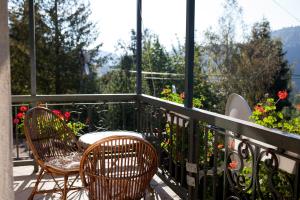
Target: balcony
<point>202,155</point>
<point>208,155</point>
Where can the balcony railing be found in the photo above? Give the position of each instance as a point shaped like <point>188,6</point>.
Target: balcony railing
<point>202,155</point>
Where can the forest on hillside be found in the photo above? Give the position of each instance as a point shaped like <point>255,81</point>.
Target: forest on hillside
<point>291,45</point>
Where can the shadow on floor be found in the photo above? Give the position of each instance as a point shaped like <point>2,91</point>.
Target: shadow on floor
<point>25,178</point>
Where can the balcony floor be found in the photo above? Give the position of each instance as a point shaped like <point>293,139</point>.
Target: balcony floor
<point>25,178</point>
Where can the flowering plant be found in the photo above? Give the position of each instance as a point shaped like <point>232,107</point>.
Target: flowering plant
<point>74,126</point>
<point>19,118</point>
<point>266,114</point>
<point>176,142</point>
<point>167,94</point>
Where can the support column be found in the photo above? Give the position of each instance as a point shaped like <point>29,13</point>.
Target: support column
<point>138,61</point>
<point>32,47</point>
<point>32,50</point>
<point>6,174</point>
<point>189,53</point>
<point>139,48</point>
<point>193,138</point>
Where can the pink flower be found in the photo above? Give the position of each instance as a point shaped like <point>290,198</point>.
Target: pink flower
<point>16,121</point>
<point>23,108</point>
<point>282,95</point>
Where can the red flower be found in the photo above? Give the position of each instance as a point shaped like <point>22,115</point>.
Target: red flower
<point>233,164</point>
<point>58,114</point>
<point>182,95</point>
<point>298,106</point>
<point>259,108</point>
<point>282,95</point>
<point>67,116</point>
<point>16,121</point>
<point>20,115</point>
<point>23,108</point>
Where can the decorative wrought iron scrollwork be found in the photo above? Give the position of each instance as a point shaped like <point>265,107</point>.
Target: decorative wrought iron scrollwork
<point>271,182</point>
<point>239,170</point>
<point>233,198</point>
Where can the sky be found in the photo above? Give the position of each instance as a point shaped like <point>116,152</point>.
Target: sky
<point>166,18</point>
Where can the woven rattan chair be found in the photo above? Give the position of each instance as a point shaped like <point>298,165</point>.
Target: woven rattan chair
<point>118,167</point>
<point>54,147</point>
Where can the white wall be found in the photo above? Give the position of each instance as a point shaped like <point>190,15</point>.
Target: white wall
<point>6,174</point>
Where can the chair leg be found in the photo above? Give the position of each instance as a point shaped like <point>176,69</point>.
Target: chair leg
<point>151,192</point>
<point>36,184</point>
<point>65,191</point>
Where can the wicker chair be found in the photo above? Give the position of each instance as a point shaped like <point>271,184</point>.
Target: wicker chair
<point>118,168</point>
<point>54,147</point>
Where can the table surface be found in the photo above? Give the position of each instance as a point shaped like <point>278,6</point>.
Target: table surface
<point>90,138</point>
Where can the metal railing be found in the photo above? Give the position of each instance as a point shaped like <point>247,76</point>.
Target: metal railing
<point>205,155</point>
<point>97,112</point>
<point>202,155</point>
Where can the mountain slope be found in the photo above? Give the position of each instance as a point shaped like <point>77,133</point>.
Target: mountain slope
<point>290,38</point>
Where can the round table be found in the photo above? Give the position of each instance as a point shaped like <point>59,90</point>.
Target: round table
<point>90,138</point>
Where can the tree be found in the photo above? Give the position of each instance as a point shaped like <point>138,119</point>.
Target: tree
<point>262,67</point>
<point>63,35</point>
<point>203,88</point>
<point>19,45</point>
<point>220,51</point>
<point>119,80</point>
<point>252,67</point>
<point>155,59</point>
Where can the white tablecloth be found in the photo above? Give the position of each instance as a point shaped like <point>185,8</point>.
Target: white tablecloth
<point>90,138</point>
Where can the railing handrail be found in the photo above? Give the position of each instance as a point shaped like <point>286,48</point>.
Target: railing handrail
<point>277,138</point>
<point>274,137</point>
<point>74,98</point>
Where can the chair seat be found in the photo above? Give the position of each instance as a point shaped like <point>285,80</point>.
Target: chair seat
<point>68,162</point>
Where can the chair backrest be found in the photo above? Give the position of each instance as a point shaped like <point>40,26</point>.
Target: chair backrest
<point>48,135</point>
<point>118,167</point>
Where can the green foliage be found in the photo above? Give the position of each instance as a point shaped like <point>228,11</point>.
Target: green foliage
<point>267,114</point>
<point>76,127</point>
<point>167,94</point>
<point>280,179</point>
<point>251,68</point>
<point>176,143</point>
<point>155,59</point>
<point>203,85</point>
<point>63,33</point>
<point>117,81</point>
